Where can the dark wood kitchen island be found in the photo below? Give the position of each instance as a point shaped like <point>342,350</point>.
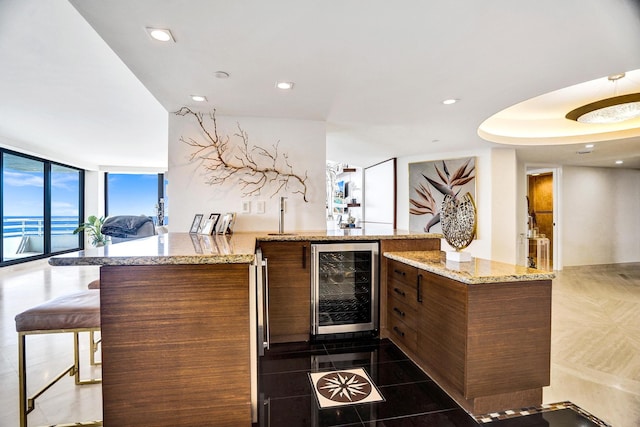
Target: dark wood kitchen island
<point>481,329</point>
<point>179,345</point>
<point>175,328</point>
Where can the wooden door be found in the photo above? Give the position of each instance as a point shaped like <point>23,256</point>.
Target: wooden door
<point>541,207</point>
<point>289,273</point>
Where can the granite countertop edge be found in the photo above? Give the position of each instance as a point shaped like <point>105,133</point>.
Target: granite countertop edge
<point>154,260</point>
<point>454,270</point>
<point>304,236</point>
<point>238,248</point>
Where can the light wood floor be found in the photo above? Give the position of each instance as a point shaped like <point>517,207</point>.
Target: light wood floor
<point>595,361</point>
<point>595,341</point>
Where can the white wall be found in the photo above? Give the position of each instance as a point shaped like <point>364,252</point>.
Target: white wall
<point>495,200</point>
<point>188,194</point>
<point>600,215</point>
<point>504,205</point>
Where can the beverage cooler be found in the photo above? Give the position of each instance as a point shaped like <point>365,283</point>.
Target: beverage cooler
<point>344,289</point>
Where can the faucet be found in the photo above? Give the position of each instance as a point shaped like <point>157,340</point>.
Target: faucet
<point>281,225</point>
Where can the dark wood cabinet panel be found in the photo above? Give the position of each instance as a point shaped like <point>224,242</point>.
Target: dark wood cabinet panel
<point>176,345</point>
<point>289,269</point>
<point>443,326</point>
<point>508,344</point>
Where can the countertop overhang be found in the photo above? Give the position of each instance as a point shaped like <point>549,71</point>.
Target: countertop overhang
<point>474,272</point>
<point>186,248</point>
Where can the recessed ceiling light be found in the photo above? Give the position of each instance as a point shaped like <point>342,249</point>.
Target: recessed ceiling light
<point>450,101</point>
<point>160,34</point>
<point>284,85</point>
<point>221,74</point>
<point>619,162</point>
<point>199,98</point>
<point>589,146</point>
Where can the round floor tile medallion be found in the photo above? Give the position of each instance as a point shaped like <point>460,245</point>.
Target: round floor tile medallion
<point>344,387</point>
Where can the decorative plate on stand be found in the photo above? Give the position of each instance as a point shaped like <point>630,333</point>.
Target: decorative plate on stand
<point>459,222</point>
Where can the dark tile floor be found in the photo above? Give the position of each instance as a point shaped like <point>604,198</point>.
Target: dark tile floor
<point>411,397</point>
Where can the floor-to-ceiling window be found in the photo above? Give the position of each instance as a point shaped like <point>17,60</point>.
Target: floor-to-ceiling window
<point>134,194</point>
<point>40,207</point>
<point>65,207</point>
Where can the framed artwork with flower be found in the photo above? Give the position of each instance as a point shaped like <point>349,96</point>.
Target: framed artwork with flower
<point>430,182</point>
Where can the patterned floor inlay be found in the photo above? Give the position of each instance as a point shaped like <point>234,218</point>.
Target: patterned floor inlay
<point>346,387</point>
<point>487,418</point>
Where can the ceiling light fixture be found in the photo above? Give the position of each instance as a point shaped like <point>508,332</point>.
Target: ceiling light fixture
<point>284,85</point>
<point>589,146</point>
<point>450,101</point>
<point>619,162</point>
<point>221,74</point>
<point>609,110</point>
<point>160,34</point>
<point>199,98</point>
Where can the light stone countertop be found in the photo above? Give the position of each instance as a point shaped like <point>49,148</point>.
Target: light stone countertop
<point>474,272</point>
<point>185,248</point>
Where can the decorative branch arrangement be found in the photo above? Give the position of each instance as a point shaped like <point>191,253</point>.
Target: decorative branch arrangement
<point>254,166</point>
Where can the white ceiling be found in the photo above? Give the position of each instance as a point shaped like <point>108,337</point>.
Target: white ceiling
<point>375,71</point>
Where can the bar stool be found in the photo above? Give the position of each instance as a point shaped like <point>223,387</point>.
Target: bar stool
<point>72,313</point>
<point>94,284</point>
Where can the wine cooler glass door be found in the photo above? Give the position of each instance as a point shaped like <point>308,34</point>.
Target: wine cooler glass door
<point>345,287</point>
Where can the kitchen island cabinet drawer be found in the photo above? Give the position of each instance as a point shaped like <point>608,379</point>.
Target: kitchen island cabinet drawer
<point>403,293</point>
<point>403,312</point>
<point>403,273</point>
<point>403,334</point>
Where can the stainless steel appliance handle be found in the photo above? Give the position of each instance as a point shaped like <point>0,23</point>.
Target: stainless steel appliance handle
<point>314,291</point>
<point>267,341</point>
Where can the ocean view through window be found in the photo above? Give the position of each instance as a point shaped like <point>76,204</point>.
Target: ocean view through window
<point>41,206</point>
<point>134,194</point>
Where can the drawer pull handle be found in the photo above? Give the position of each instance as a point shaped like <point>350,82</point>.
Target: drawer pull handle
<point>399,272</point>
<point>398,331</point>
<point>397,310</point>
<point>399,292</point>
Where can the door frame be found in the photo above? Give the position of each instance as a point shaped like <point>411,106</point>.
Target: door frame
<point>556,173</point>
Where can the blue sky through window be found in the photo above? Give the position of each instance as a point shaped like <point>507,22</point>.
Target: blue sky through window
<point>23,187</point>
<point>132,194</point>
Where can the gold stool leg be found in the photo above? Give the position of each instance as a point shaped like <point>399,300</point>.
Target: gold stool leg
<point>94,348</point>
<point>22,380</point>
<point>76,362</point>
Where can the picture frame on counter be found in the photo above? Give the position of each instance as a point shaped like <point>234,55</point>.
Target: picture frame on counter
<point>207,227</point>
<point>195,225</point>
<point>216,218</point>
<point>226,223</point>
<point>232,222</point>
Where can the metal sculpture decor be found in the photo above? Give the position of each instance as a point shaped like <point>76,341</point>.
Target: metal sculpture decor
<point>458,217</point>
<point>254,167</point>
